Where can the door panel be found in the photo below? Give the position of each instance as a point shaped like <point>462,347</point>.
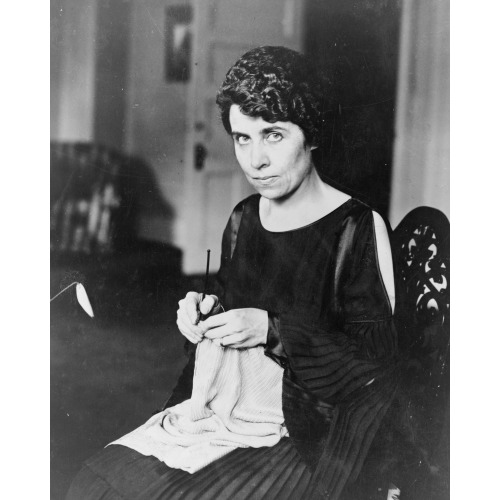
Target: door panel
<point>216,206</point>
<point>223,30</point>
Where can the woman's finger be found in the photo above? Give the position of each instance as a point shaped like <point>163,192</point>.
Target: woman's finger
<point>189,336</point>
<point>219,332</point>
<point>208,304</point>
<point>187,329</point>
<point>191,306</point>
<point>183,312</point>
<point>234,340</point>
<point>186,319</point>
<point>187,332</point>
<point>215,321</point>
<point>194,339</point>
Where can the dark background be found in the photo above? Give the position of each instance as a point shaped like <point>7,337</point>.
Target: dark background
<point>110,373</point>
<point>355,43</point>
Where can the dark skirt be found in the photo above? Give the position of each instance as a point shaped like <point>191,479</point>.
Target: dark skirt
<point>118,472</point>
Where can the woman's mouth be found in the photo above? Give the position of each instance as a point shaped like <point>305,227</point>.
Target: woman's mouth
<point>265,181</point>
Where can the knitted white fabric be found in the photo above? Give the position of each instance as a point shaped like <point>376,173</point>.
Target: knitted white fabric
<point>235,403</point>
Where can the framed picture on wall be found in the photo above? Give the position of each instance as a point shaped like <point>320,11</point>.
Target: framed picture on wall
<point>178,43</point>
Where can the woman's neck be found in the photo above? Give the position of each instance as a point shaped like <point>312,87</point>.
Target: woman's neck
<point>311,201</point>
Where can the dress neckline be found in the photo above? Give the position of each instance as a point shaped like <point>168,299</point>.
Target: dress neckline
<point>342,205</point>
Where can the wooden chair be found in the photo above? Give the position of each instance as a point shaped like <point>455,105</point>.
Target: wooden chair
<point>422,268</point>
<point>421,260</point>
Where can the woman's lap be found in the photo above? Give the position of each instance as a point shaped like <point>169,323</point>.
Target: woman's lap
<point>117,472</point>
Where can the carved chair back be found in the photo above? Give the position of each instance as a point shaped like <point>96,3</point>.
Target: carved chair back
<point>422,268</point>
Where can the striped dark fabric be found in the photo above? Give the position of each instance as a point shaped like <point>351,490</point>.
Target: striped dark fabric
<point>235,403</point>
<point>118,472</point>
<point>331,329</point>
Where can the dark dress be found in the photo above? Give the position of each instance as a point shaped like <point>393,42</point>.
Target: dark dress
<point>330,327</point>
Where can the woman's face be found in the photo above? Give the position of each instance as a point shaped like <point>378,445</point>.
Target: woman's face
<point>274,156</point>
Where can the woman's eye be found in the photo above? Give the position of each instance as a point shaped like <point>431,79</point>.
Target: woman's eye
<point>241,139</point>
<point>274,137</point>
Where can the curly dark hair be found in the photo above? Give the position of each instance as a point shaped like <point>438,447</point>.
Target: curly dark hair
<point>275,84</point>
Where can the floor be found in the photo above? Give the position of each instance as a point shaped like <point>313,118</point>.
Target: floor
<point>108,374</point>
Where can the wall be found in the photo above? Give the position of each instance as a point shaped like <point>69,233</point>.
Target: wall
<point>356,44</point>
<point>111,72</point>
<point>422,148</point>
<point>156,125</point>
<point>108,86</point>
<point>89,70</point>
<point>73,26</point>
<point>56,40</point>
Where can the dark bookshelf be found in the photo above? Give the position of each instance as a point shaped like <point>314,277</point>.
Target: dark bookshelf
<point>94,205</point>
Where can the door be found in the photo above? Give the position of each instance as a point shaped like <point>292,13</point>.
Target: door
<point>222,31</point>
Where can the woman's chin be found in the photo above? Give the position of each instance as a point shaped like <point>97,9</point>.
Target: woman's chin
<point>270,194</point>
<point>270,191</point>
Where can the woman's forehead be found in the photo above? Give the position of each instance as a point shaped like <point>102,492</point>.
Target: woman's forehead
<point>240,122</point>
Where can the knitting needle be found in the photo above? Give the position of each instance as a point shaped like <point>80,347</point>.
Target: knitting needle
<point>205,287</point>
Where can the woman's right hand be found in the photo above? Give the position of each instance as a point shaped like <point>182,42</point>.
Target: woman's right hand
<point>188,314</point>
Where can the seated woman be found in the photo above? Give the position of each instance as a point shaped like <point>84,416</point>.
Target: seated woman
<point>296,358</point>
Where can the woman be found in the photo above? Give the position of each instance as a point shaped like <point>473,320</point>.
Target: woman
<point>306,277</point>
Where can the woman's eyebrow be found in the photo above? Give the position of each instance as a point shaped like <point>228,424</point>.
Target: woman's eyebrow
<point>268,130</point>
<point>235,133</point>
<point>264,131</point>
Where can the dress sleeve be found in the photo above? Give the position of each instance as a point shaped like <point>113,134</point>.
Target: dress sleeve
<point>333,358</point>
<point>184,386</point>
<point>348,364</point>
<point>274,346</point>
<point>229,237</point>
<point>366,302</point>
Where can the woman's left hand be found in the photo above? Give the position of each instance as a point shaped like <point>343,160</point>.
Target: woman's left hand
<point>237,328</point>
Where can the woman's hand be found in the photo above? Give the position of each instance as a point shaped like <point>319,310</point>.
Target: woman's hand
<point>188,314</point>
<point>237,328</point>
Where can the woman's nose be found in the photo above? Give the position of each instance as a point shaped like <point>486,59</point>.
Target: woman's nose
<point>258,156</point>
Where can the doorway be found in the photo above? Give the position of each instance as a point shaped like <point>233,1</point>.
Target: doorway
<point>356,45</point>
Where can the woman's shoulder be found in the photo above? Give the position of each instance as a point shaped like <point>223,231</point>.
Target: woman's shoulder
<point>362,226</point>
<point>354,213</point>
<point>247,206</point>
<point>249,203</point>
<point>352,209</point>
<point>359,213</point>
<point>357,208</point>
<point>349,217</point>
